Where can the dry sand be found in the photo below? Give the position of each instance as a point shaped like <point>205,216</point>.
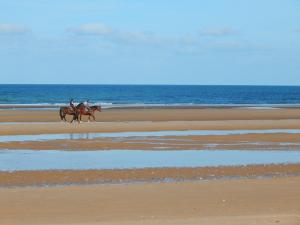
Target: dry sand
<point>226,202</point>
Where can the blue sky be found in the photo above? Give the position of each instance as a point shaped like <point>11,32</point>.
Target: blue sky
<point>150,42</point>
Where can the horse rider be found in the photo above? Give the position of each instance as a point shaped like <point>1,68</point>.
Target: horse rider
<point>72,104</point>
<point>86,104</point>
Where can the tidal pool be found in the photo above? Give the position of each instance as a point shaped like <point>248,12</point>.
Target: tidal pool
<point>75,136</point>
<point>14,160</point>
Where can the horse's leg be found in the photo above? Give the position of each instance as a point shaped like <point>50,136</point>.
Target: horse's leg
<point>73,118</point>
<point>80,118</point>
<point>61,118</point>
<point>62,115</point>
<point>65,117</point>
<point>89,118</point>
<point>93,117</point>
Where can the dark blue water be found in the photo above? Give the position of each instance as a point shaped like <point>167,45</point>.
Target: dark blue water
<point>149,94</point>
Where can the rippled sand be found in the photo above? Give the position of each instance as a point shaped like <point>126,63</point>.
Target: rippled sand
<point>61,177</point>
<point>229,202</point>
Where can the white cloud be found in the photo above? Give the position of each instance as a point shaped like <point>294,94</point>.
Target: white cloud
<point>223,31</point>
<point>193,43</point>
<point>101,30</point>
<point>139,37</point>
<point>12,29</point>
<point>91,29</point>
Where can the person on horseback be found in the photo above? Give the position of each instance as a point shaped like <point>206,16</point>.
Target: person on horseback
<point>72,104</point>
<point>87,105</point>
<point>69,110</point>
<point>74,109</point>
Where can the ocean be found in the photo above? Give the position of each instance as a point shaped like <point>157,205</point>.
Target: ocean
<point>148,95</point>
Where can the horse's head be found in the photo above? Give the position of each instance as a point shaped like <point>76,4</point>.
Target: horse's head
<point>98,108</point>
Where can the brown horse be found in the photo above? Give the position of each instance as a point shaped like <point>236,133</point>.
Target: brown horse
<point>88,111</point>
<point>68,110</point>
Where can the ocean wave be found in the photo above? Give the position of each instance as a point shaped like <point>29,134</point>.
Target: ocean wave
<point>47,104</point>
<point>145,105</point>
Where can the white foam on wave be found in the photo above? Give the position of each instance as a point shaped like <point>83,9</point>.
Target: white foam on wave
<point>135,105</point>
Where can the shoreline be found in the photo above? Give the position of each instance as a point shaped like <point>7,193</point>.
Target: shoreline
<point>152,106</point>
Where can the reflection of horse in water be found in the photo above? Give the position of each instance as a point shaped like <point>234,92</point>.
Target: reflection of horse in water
<point>87,111</point>
<point>78,111</point>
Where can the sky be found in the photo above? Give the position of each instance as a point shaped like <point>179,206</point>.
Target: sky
<point>217,42</point>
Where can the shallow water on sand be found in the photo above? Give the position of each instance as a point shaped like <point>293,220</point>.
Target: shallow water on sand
<point>75,136</point>
<point>13,160</point>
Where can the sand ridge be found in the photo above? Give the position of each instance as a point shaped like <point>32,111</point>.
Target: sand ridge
<point>67,177</point>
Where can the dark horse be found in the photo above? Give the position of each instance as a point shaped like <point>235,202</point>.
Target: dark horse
<point>68,110</point>
<point>88,111</point>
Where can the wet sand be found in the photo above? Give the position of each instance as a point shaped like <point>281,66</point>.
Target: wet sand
<point>213,142</point>
<point>159,119</point>
<point>123,126</point>
<point>229,202</point>
<point>117,120</point>
<point>61,177</point>
<point>159,114</point>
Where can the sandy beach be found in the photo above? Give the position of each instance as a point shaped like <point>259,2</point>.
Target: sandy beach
<point>140,119</point>
<point>250,201</point>
<point>20,122</point>
<point>159,114</point>
<point>241,195</point>
<point>149,112</point>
